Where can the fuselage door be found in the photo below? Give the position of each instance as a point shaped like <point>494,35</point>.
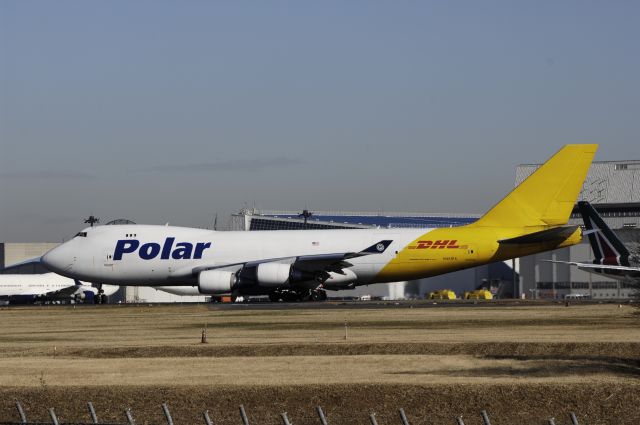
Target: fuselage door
<point>471,253</point>
<point>108,258</point>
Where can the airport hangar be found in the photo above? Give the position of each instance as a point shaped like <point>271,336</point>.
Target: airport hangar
<point>613,187</point>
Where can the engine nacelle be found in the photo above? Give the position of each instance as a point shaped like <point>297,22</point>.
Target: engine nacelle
<point>273,274</point>
<point>340,281</point>
<point>214,282</point>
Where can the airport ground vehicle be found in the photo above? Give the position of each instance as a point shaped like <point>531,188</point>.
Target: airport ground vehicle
<point>442,294</point>
<point>478,294</point>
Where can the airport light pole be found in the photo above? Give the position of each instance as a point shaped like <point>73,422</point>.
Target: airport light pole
<point>514,277</point>
<point>305,214</point>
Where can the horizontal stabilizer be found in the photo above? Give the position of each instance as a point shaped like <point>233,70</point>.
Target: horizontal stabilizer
<point>549,235</point>
<point>591,266</point>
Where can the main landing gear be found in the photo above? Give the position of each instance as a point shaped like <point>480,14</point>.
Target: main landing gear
<point>290,296</point>
<point>100,297</point>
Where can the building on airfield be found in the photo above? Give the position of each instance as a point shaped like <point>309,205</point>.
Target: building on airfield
<point>613,188</point>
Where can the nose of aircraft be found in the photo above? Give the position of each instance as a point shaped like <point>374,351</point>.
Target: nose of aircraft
<point>58,259</point>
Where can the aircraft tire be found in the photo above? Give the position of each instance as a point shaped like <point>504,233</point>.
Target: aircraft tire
<point>291,297</point>
<point>318,295</point>
<point>274,297</point>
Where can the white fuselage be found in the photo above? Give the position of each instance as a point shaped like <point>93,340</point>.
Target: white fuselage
<point>34,284</point>
<point>13,285</point>
<point>148,255</point>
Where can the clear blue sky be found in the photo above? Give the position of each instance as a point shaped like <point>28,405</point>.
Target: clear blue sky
<point>173,111</point>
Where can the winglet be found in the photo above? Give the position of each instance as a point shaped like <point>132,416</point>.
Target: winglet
<point>546,197</point>
<point>377,248</point>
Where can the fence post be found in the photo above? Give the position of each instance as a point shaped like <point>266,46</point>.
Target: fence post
<point>129,417</point>
<point>403,417</point>
<point>323,419</point>
<point>23,417</point>
<point>92,413</point>
<point>243,415</point>
<point>207,419</point>
<point>574,420</point>
<point>54,418</point>
<point>285,419</point>
<point>485,418</point>
<point>459,420</point>
<point>167,414</point>
<point>372,418</point>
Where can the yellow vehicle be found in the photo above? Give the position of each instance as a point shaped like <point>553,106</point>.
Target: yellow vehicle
<point>442,294</point>
<point>480,294</point>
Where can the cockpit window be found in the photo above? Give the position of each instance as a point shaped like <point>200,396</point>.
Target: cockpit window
<point>82,234</point>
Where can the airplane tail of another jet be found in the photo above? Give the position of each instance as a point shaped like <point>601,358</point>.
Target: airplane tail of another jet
<point>607,247</point>
<point>546,198</point>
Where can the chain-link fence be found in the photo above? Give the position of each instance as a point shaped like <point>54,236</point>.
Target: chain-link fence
<point>129,419</point>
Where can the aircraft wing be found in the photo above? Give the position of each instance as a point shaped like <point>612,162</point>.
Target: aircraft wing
<point>34,260</point>
<point>334,262</point>
<point>67,291</point>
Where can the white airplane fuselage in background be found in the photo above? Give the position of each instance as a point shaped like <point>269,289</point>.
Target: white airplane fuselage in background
<point>532,218</point>
<point>46,286</point>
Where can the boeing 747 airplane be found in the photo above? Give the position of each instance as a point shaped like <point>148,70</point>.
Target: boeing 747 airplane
<point>301,264</point>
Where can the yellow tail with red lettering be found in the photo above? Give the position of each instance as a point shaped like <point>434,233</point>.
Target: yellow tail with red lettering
<point>532,218</point>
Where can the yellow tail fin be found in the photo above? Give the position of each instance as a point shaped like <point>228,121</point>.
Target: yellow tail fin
<point>547,196</point>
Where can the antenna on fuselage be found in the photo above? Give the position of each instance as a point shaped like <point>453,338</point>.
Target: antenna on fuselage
<point>92,220</point>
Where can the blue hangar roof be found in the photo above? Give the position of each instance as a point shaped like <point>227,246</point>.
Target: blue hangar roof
<point>385,220</point>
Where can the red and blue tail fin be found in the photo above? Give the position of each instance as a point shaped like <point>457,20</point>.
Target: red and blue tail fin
<point>607,247</point>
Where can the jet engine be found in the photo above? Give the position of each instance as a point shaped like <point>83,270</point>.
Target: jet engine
<point>214,282</point>
<point>273,274</point>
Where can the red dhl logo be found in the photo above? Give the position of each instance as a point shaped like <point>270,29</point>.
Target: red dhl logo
<point>439,244</point>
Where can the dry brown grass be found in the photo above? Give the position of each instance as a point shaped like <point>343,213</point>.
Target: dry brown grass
<point>31,329</point>
<point>306,370</point>
<point>586,355</point>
